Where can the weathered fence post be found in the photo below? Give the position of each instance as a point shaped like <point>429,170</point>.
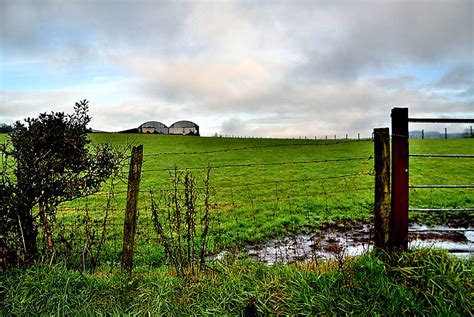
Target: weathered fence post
<point>3,252</point>
<point>382,187</point>
<point>446,133</point>
<point>131,208</point>
<point>399,199</point>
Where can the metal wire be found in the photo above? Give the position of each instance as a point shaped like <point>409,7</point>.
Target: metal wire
<point>441,230</point>
<point>440,209</point>
<point>443,155</point>
<point>265,164</point>
<point>441,186</point>
<point>312,144</point>
<point>439,120</point>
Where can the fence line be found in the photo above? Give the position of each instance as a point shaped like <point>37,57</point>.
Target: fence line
<point>307,194</point>
<point>263,164</point>
<point>258,147</point>
<point>272,181</point>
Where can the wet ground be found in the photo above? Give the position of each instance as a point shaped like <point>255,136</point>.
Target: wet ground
<point>331,243</point>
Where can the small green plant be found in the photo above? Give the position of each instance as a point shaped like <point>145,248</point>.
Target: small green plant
<point>80,244</point>
<point>182,225</point>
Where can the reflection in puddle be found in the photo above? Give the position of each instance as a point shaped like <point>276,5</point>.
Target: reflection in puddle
<point>333,244</point>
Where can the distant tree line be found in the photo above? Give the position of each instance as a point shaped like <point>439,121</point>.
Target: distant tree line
<point>5,128</point>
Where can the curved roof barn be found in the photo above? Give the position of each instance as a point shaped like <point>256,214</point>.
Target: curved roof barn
<point>184,127</point>
<point>153,127</point>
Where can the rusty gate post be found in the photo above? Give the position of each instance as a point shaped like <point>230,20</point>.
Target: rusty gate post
<point>382,187</point>
<point>399,218</point>
<point>131,208</point>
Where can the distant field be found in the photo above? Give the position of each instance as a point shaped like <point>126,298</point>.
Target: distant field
<point>263,188</point>
<point>254,169</point>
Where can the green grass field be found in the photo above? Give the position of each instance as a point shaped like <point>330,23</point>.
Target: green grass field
<point>264,184</point>
<point>265,188</point>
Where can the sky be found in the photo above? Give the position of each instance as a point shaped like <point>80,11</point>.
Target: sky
<point>250,68</point>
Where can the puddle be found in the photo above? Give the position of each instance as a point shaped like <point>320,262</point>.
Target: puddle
<point>458,241</point>
<point>333,244</point>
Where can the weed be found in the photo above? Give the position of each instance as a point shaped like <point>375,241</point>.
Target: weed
<point>177,224</point>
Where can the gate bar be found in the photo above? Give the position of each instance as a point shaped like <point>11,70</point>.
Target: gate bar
<point>441,209</point>
<point>441,186</point>
<point>440,120</point>
<point>443,155</point>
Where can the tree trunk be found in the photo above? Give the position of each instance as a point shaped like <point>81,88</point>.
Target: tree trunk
<point>28,233</point>
<point>46,228</point>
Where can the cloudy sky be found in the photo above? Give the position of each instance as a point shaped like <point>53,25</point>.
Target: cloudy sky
<point>264,68</point>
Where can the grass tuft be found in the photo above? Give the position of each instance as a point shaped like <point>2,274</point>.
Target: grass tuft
<point>421,282</point>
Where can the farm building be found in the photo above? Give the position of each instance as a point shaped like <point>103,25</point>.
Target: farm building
<point>153,127</point>
<point>184,127</point>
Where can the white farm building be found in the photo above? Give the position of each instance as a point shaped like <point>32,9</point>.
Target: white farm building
<point>153,127</point>
<point>184,127</point>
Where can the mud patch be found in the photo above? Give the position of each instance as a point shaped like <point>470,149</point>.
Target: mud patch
<point>331,243</point>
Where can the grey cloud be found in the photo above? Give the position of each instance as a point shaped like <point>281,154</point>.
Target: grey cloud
<point>234,126</point>
<point>286,67</point>
<point>72,31</point>
<point>18,105</point>
<point>394,82</point>
<point>381,34</point>
<point>462,74</point>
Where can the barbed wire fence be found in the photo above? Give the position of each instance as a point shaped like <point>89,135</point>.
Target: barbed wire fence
<point>250,203</point>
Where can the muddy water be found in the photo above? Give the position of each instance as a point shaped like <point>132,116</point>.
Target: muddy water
<point>333,244</point>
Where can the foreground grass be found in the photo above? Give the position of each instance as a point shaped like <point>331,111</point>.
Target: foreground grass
<point>421,282</point>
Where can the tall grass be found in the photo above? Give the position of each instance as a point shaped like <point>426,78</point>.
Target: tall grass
<point>421,282</point>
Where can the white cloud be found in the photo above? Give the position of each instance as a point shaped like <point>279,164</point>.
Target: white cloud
<point>269,68</point>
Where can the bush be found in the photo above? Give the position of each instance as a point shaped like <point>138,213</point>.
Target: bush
<point>52,161</point>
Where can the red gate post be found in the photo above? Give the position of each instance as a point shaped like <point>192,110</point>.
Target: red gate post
<point>399,218</point>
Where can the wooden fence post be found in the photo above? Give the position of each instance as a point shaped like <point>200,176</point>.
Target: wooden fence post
<point>399,199</point>
<point>131,208</point>
<point>3,253</point>
<point>382,187</point>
